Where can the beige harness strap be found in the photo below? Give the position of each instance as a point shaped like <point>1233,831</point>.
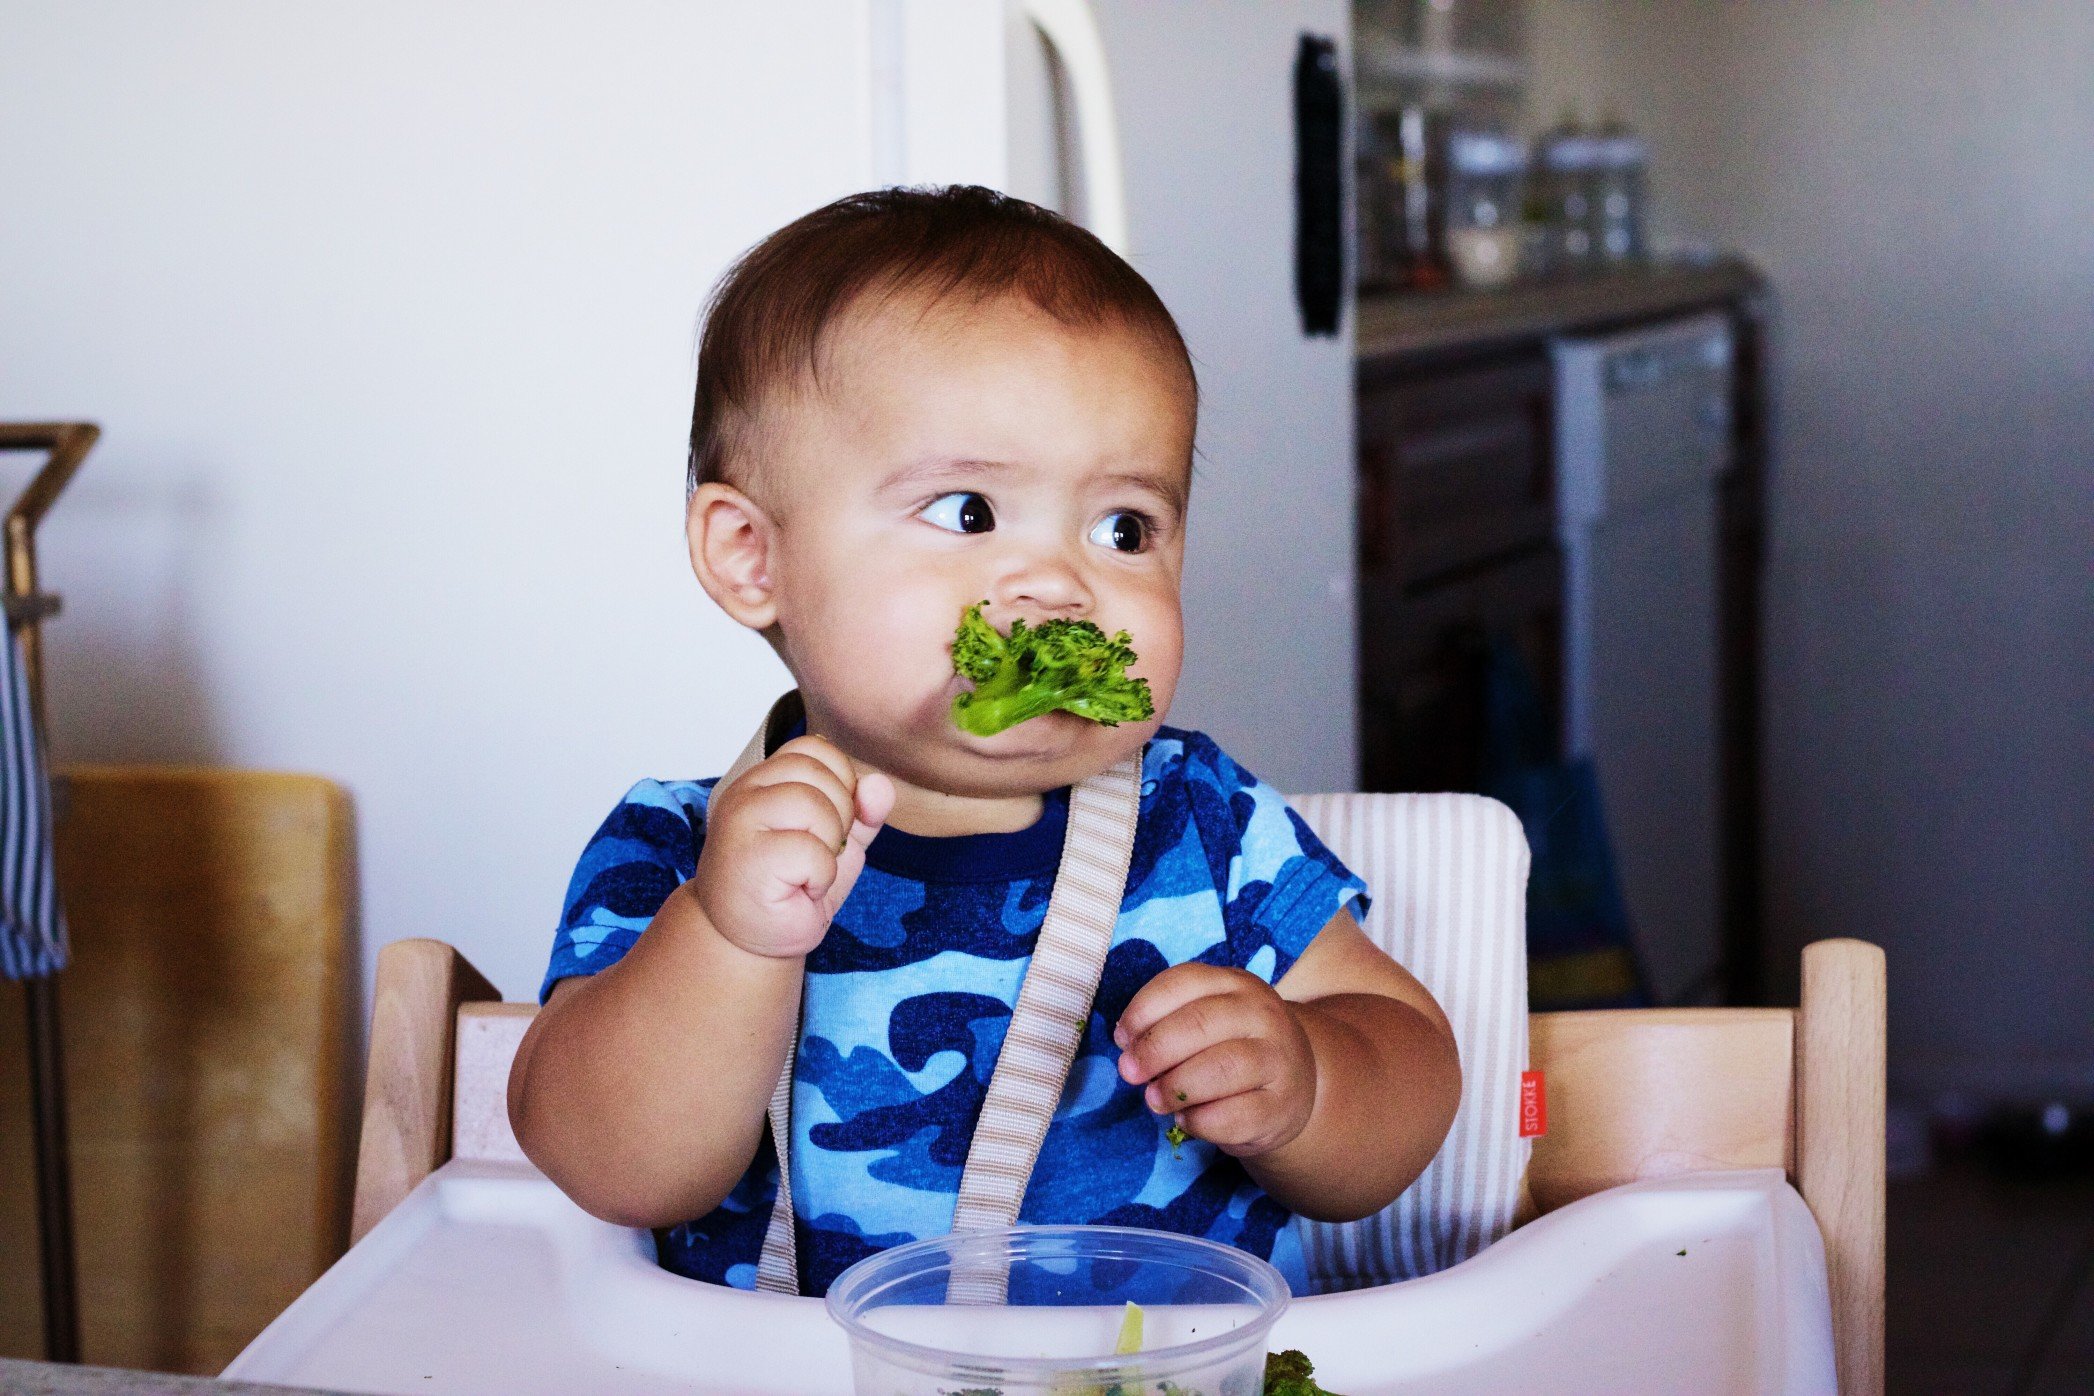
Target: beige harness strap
<point>1054,1001</point>
<point>778,1268</point>
<point>1054,1004</point>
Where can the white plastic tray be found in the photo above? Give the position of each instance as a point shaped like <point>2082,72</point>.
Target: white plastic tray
<point>487,1279</point>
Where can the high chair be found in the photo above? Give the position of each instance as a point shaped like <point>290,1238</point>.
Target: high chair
<point>1646,1098</point>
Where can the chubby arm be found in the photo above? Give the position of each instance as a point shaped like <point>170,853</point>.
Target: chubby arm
<point>1336,1087</point>
<point>641,1090</point>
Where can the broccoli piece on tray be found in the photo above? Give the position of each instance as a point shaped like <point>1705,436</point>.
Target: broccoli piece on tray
<point>1068,665</point>
<point>1288,1374</point>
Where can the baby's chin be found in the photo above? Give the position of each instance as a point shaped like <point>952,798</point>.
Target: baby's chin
<point>1040,754</point>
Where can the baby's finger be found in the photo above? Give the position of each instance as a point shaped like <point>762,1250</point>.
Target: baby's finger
<point>874,802</point>
<point>827,753</point>
<point>796,805</point>
<point>1215,1073</point>
<point>1244,1124</point>
<point>1194,1027</point>
<point>805,768</point>
<point>794,865</point>
<point>1166,994</point>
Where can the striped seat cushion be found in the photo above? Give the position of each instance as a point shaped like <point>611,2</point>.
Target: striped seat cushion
<point>1449,878</point>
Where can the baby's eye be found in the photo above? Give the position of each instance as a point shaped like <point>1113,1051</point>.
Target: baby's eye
<point>1124,532</point>
<point>960,512</point>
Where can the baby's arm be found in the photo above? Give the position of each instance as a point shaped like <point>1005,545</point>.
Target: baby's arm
<point>641,1090</point>
<point>1335,1087</point>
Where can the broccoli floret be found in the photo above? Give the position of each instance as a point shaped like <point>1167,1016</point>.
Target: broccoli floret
<point>1066,665</point>
<point>1289,1374</point>
<point>976,651</point>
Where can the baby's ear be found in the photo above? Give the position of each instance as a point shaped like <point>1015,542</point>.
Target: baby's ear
<point>731,537</point>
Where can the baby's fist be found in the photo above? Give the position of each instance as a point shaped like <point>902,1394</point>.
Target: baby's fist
<point>785,843</point>
<point>1221,1050</point>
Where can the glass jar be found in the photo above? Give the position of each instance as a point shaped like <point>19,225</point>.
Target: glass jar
<point>1618,200</point>
<point>1485,174</point>
<point>1569,161</point>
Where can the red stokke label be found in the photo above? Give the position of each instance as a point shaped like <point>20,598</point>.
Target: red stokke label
<point>1534,1105</point>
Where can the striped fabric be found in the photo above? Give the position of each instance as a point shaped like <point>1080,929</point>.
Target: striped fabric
<point>1054,1004</point>
<point>1449,878</point>
<point>778,1267</point>
<point>32,928</point>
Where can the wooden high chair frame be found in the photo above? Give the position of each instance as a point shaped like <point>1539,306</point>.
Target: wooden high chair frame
<point>1631,1094</point>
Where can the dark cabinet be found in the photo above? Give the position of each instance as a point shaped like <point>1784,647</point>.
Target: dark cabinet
<point>1462,605</point>
<point>1457,554</point>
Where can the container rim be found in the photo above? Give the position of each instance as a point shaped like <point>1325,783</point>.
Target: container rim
<point>867,1277</point>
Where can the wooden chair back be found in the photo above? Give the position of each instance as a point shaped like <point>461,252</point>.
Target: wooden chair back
<point>1631,1094</point>
<point>207,1056</point>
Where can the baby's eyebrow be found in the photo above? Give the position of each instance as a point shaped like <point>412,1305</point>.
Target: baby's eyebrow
<point>966,469</point>
<point>938,471</point>
<point>1169,491</point>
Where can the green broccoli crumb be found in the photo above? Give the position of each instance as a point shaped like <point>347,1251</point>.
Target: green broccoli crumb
<point>1062,665</point>
<point>1177,1135</point>
<point>1289,1373</point>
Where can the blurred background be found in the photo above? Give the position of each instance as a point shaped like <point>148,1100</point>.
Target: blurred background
<point>1674,419</point>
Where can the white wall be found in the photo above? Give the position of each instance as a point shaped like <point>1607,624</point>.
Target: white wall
<point>387,312</point>
<point>1915,177</point>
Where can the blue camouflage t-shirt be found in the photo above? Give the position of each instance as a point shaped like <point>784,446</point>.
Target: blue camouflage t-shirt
<point>908,996</point>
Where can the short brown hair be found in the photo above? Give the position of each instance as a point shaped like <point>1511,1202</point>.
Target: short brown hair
<point>767,317</point>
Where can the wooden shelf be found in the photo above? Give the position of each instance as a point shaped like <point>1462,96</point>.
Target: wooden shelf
<point>1410,324</point>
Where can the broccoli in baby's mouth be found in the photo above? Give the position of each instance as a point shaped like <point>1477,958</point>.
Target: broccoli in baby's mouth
<point>1065,665</point>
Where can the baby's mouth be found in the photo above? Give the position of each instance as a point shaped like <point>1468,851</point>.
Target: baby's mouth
<point>1061,666</point>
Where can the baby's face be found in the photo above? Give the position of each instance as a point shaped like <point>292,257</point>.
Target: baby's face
<point>976,453</point>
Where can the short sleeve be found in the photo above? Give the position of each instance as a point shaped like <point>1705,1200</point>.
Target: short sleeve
<point>1309,886</point>
<point>643,852</point>
<point>1282,885</point>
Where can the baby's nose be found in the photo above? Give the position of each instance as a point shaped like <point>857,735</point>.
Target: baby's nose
<point>1046,589</point>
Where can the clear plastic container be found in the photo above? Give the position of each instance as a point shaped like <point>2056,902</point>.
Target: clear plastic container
<point>1039,1310</point>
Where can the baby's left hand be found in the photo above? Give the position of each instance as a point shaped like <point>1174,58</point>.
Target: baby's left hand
<point>1221,1050</point>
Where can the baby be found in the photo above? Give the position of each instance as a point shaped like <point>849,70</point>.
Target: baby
<point>910,402</point>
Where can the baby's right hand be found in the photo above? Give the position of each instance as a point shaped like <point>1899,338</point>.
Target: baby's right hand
<point>785,843</point>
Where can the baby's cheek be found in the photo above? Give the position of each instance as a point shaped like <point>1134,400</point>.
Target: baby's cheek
<point>897,667</point>
<point>1159,658</point>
